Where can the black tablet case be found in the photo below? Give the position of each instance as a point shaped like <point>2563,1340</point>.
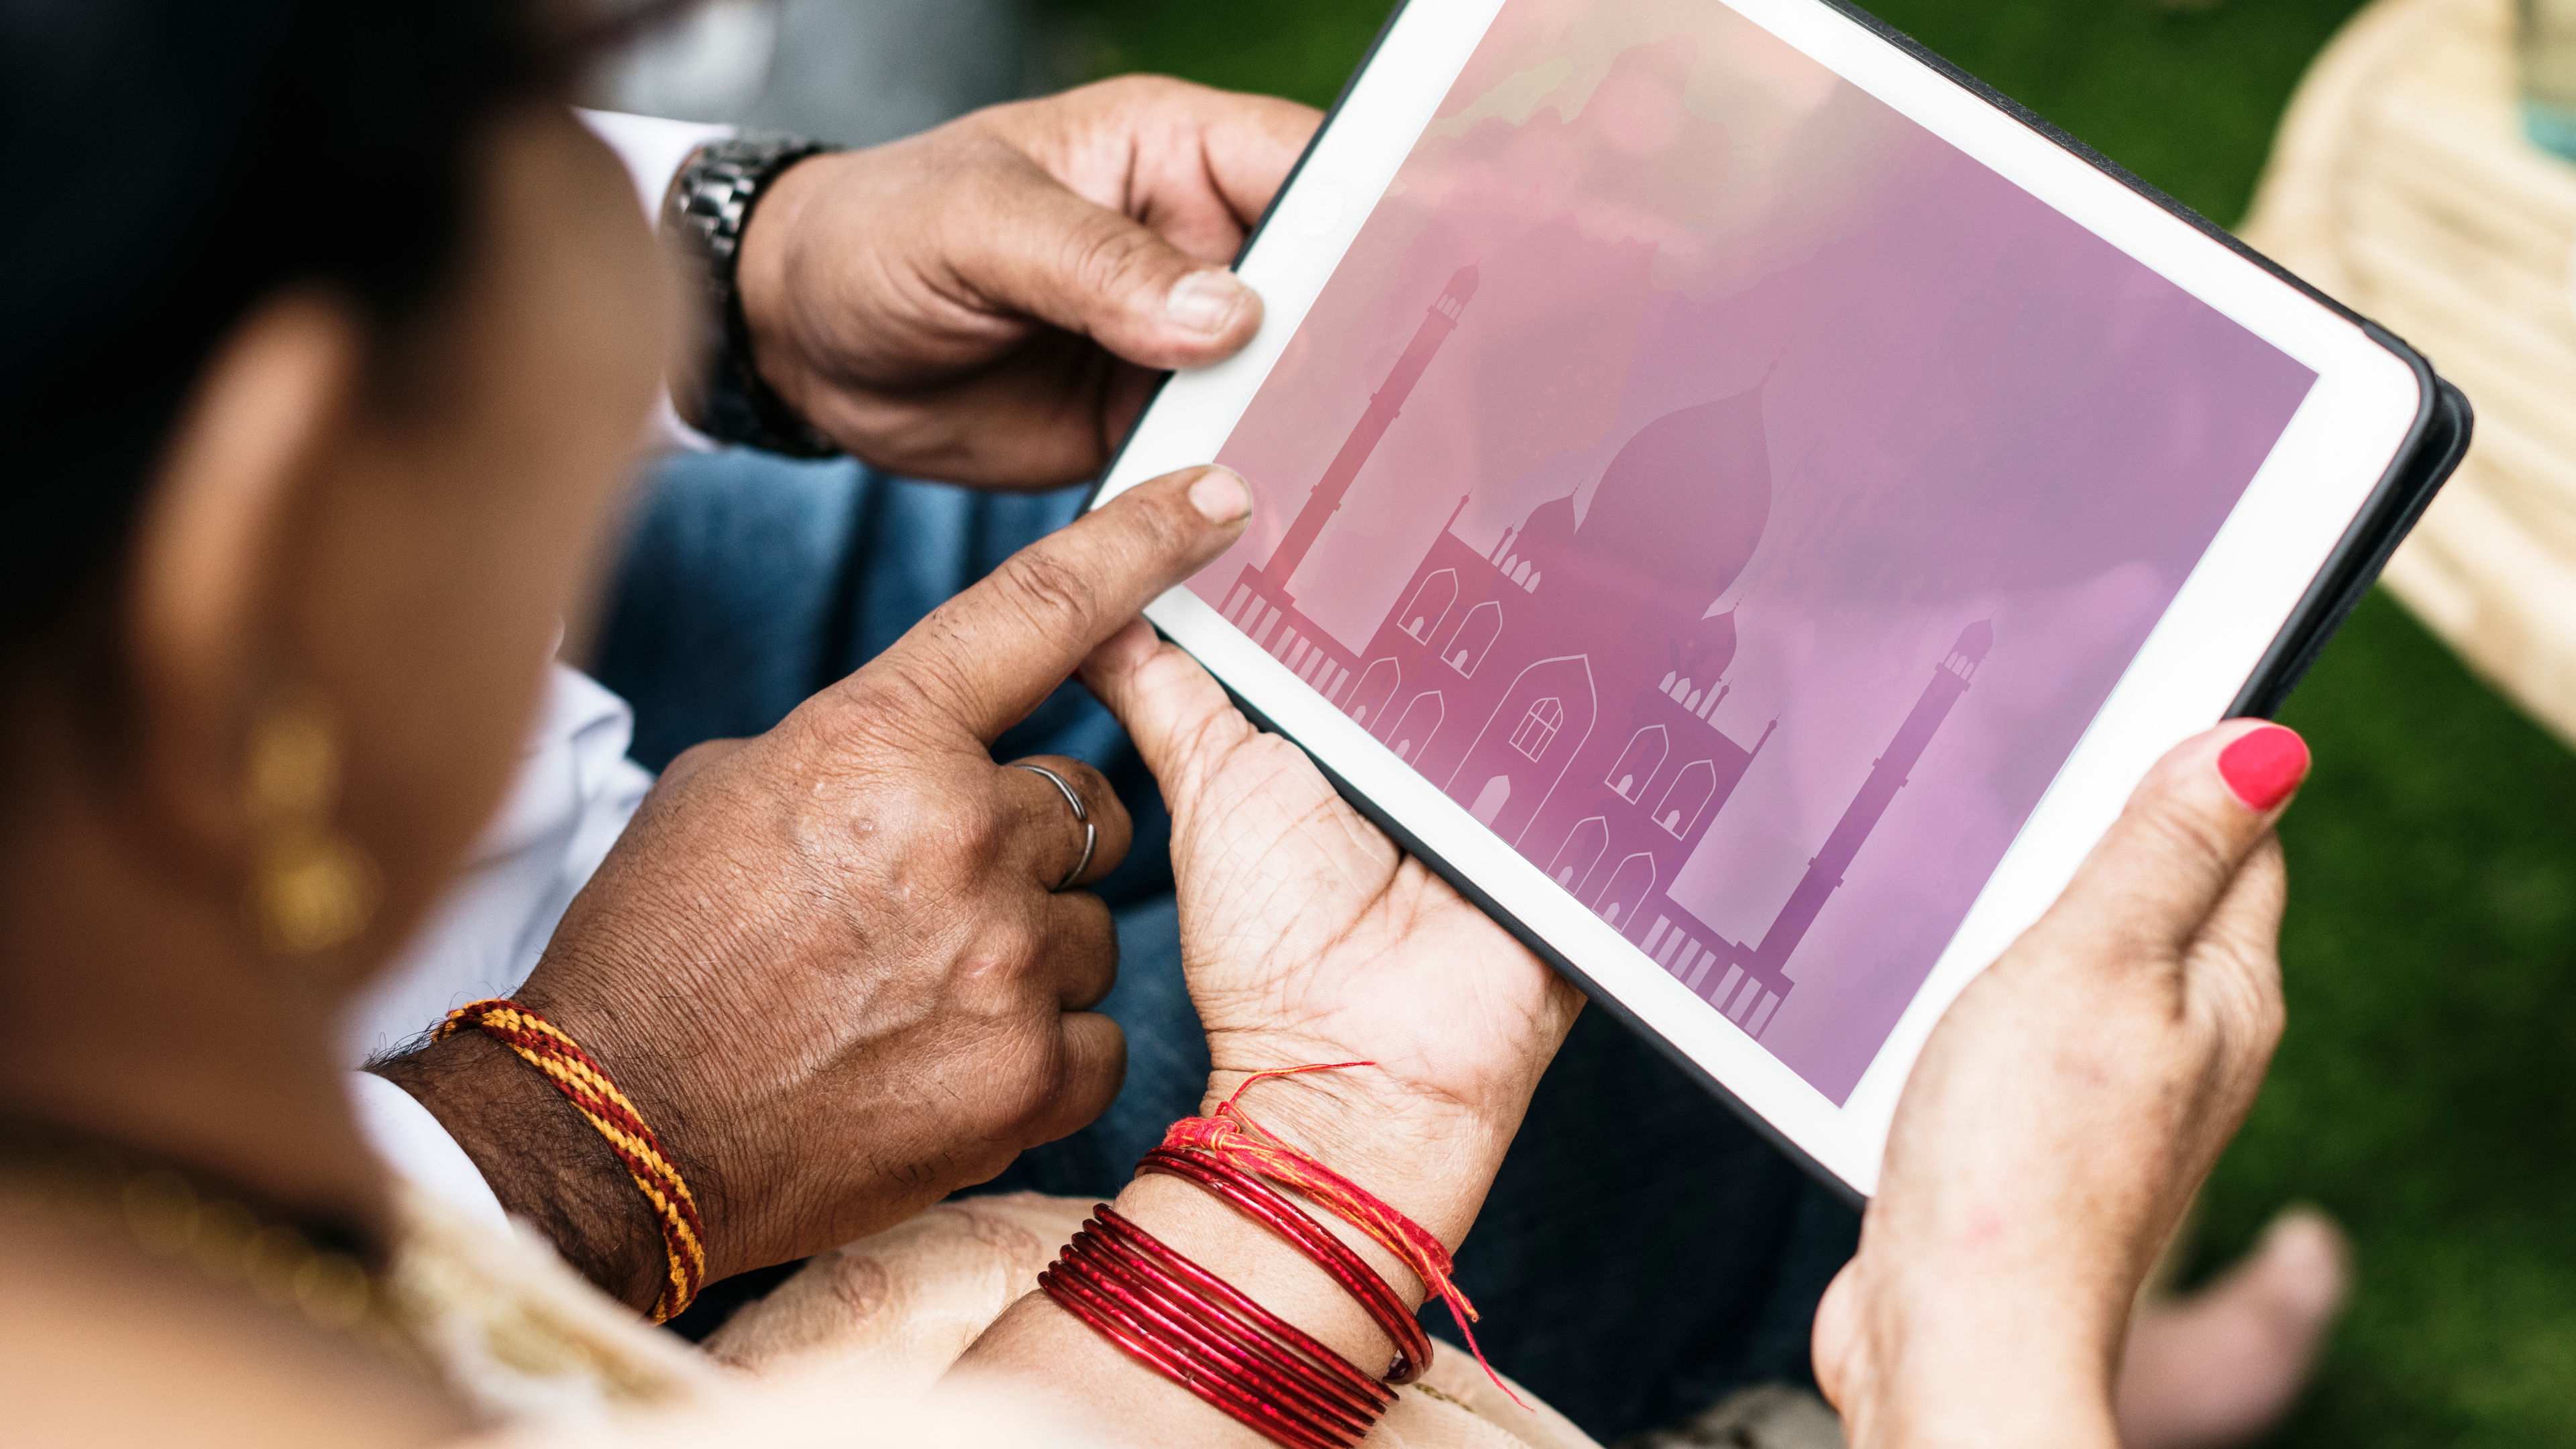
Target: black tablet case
<point>2434,445</point>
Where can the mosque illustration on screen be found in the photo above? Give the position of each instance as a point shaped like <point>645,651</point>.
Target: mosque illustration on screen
<point>1586,737</point>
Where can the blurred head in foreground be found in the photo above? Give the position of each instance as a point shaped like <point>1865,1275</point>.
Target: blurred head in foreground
<point>324,353</point>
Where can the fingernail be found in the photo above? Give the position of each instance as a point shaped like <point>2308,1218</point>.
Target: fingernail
<point>2262,768</point>
<point>1205,301</point>
<point>1221,495</point>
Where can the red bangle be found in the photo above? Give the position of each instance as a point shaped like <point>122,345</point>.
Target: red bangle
<point>1358,1390</point>
<point>1202,1333</point>
<point>1257,1200</point>
<point>1177,1318</point>
<point>1251,1366</point>
<point>1085,1303</point>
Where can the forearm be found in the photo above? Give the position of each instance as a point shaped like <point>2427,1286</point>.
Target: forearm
<point>1974,1360</point>
<point>2033,1410</point>
<point>546,1164</point>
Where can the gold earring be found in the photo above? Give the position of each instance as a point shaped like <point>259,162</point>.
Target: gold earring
<point>312,888</point>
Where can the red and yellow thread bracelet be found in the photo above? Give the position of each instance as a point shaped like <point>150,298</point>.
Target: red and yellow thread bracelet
<point>586,1084</point>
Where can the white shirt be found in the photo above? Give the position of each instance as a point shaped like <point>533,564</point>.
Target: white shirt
<point>574,793</point>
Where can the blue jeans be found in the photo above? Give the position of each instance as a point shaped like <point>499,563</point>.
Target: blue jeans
<point>1642,1252</point>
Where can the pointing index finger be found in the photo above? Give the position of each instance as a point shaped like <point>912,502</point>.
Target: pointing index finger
<point>989,656</point>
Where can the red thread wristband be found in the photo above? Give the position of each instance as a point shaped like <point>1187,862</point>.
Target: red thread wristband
<point>1229,1135</point>
<point>1256,1200</point>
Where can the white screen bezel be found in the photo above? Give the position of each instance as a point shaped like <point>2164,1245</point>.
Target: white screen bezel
<point>2259,566</point>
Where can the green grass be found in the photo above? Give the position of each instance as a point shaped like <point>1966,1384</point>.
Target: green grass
<point>2422,1093</point>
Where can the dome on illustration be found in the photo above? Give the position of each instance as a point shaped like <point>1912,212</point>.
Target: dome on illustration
<point>1685,502</point>
<point>1544,538</point>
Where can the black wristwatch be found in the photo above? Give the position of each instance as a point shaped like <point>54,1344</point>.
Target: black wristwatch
<point>706,210</point>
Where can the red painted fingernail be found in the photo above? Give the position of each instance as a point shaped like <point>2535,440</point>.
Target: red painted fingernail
<point>2262,768</point>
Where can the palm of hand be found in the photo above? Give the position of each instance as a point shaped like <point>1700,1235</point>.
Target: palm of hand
<point>1307,935</point>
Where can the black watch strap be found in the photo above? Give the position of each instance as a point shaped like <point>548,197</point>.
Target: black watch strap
<point>707,209</point>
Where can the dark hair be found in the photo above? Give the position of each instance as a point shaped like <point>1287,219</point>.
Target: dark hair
<point>177,161</point>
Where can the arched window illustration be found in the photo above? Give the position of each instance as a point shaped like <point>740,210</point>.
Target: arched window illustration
<point>1581,851</point>
<point>1519,571</point>
<point>1429,606</point>
<point>1537,729</point>
<point>1377,686</point>
<point>1638,763</point>
<point>1626,893</point>
<point>1688,796</point>
<point>1467,647</point>
<point>1533,583</point>
<point>1421,718</point>
<point>1530,737</point>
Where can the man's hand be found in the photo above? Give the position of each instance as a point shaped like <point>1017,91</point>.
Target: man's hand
<point>2060,1118</point>
<point>988,303</point>
<point>827,963</point>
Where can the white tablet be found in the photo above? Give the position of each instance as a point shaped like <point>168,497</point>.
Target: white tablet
<point>1747,504</point>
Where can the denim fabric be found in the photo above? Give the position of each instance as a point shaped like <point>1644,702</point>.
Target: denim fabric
<point>750,581</point>
<point>1642,1251</point>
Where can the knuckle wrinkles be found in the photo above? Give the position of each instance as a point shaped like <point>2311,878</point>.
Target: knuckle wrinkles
<point>1105,255</point>
<point>1051,593</point>
<point>894,691</point>
<point>940,682</point>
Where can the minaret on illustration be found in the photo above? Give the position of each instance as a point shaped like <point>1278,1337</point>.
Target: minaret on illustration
<point>1383,408</point>
<point>1887,775</point>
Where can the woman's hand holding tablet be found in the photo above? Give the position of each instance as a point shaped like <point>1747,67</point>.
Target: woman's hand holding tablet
<point>1746,507</point>
<point>2026,1192</point>
<point>1375,938</point>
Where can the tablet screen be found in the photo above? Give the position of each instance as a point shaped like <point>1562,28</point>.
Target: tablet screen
<point>1735,496</point>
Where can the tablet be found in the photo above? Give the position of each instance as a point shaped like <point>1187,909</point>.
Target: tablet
<point>1747,505</point>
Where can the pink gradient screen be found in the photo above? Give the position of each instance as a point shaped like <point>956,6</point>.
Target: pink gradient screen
<point>1736,496</point>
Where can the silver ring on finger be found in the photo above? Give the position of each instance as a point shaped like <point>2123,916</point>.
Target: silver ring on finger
<point>1081,817</point>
